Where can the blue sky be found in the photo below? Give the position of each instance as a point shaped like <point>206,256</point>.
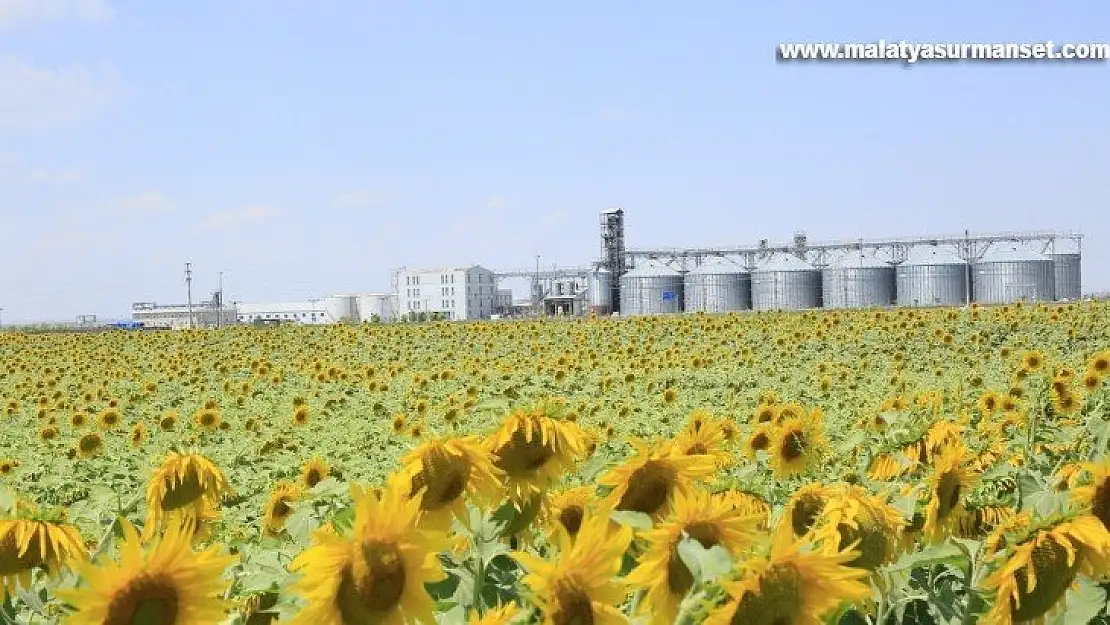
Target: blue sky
<point>308,147</point>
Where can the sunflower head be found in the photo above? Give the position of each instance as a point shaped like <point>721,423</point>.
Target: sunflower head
<point>187,485</point>
<point>442,471</point>
<point>535,446</point>
<point>89,445</point>
<point>314,471</point>
<point>277,508</point>
<point>33,540</point>
<point>648,482</point>
<point>796,447</point>
<point>166,583</point>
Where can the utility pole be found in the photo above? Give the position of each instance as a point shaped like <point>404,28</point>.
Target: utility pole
<point>189,291</point>
<point>220,304</point>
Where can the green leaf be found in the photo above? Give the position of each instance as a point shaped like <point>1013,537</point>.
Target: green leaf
<point>636,520</point>
<point>946,553</point>
<point>704,564</point>
<point>1083,604</point>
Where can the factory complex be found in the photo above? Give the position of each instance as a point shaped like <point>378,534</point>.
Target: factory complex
<point>911,272</point>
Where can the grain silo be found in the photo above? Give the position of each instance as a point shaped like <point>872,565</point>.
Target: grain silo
<point>652,288</point>
<point>717,285</point>
<point>785,282</point>
<point>1066,262</point>
<point>600,291</point>
<point>341,308</point>
<point>857,282</point>
<point>932,276</point>
<point>1011,274</point>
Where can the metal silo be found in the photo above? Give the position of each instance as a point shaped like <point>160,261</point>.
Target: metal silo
<point>857,282</point>
<point>932,276</point>
<point>1008,275</point>
<point>1069,285</point>
<point>600,289</point>
<point>651,289</point>
<point>785,282</point>
<point>717,285</point>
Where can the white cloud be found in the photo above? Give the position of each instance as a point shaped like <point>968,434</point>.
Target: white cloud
<point>150,202</point>
<point>55,177</point>
<point>19,12</point>
<point>36,97</point>
<point>364,198</point>
<point>237,217</point>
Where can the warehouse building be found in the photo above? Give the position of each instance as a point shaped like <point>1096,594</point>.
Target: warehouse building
<point>180,316</point>
<point>455,293</point>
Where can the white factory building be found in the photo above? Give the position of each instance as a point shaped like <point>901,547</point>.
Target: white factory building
<point>455,293</point>
<point>180,316</point>
<point>357,308</point>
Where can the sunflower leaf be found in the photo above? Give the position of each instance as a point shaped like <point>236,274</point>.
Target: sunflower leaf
<point>1083,603</point>
<point>946,554</point>
<point>636,520</point>
<point>704,564</point>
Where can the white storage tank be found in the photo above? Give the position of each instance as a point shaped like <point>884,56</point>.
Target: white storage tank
<point>785,282</point>
<point>857,282</point>
<point>652,288</point>
<point>341,308</point>
<point>932,276</point>
<point>375,304</point>
<point>1010,274</point>
<point>717,285</point>
<point>600,294</point>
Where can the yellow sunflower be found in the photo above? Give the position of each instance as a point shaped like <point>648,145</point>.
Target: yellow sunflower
<point>445,471</point>
<point>534,448</point>
<point>89,445</point>
<point>980,521</point>
<point>1037,564</point>
<point>27,544</point>
<point>277,509</point>
<point>110,418</point>
<point>502,615</point>
<point>791,586</point>
<point>887,466</point>
<point>565,510</point>
<point>803,510</point>
<point>708,519</point>
<point>949,485</point>
<point>377,574</point>
<point>854,518</point>
<point>208,419</point>
<point>1096,495</point>
<point>759,440</point>
<point>704,435</point>
<point>170,583</point>
<point>578,587</point>
<point>314,471</point>
<point>748,504</point>
<point>186,486</point>
<point>797,446</point>
<point>648,481</point>
<point>137,435</point>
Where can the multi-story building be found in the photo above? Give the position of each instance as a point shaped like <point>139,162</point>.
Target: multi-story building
<point>455,293</point>
<point>504,301</point>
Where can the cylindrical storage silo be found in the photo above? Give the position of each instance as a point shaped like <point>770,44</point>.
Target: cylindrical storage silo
<point>932,276</point>
<point>1007,275</point>
<point>1069,284</point>
<point>651,289</point>
<point>341,307</point>
<point>785,282</point>
<point>857,283</point>
<point>600,291</point>
<point>717,285</point>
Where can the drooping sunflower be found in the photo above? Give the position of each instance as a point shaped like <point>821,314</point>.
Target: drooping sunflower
<point>854,518</point>
<point>748,504</point>
<point>648,481</point>
<point>791,586</point>
<point>188,486</point>
<point>1038,560</point>
<point>578,587</point>
<point>277,508</point>
<point>169,583</point>
<point>1096,494</point>
<point>797,446</point>
<point>565,510</point>
<point>759,440</point>
<point>533,448</point>
<point>803,509</point>
<point>29,543</point>
<point>706,518</point>
<point>980,521</point>
<point>445,471</point>
<point>887,466</point>
<point>314,471</point>
<point>949,484</point>
<point>377,574</point>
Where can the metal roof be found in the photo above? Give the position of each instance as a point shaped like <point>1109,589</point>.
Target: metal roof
<point>651,269</point>
<point>932,255</point>
<point>716,265</point>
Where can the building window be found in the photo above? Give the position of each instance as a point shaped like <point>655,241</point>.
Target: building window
<point>452,278</point>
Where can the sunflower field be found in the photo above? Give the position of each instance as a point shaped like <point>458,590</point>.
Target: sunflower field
<point>884,466</point>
